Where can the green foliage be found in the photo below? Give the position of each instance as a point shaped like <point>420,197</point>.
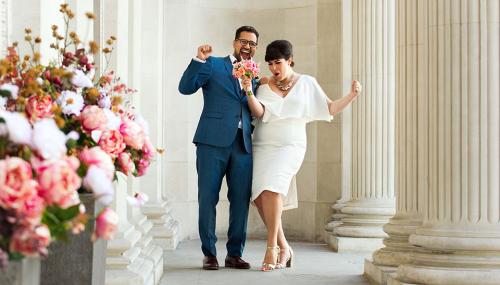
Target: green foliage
<point>57,220</point>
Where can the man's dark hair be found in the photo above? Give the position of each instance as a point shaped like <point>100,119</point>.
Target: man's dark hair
<point>279,49</point>
<point>248,29</point>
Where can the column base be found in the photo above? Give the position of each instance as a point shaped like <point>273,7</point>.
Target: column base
<point>165,231</point>
<point>140,272</point>
<point>393,281</point>
<point>378,274</point>
<point>349,244</point>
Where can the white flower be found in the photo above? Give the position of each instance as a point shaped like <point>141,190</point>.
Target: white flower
<point>139,119</point>
<point>74,135</point>
<point>71,102</point>
<point>18,126</point>
<point>80,79</point>
<point>97,182</point>
<point>113,122</point>
<point>12,88</point>
<point>39,81</point>
<point>96,135</point>
<point>138,200</point>
<point>104,102</point>
<point>3,103</point>
<point>48,139</point>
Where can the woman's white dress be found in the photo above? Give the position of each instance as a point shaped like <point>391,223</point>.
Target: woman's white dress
<point>279,140</point>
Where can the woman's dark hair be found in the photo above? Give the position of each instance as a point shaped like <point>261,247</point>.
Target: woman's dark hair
<point>248,29</point>
<point>279,49</point>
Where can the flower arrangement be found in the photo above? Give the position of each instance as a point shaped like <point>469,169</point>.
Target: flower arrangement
<point>247,68</point>
<point>63,131</point>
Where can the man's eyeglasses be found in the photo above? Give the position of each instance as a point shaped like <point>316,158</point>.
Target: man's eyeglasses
<point>244,42</point>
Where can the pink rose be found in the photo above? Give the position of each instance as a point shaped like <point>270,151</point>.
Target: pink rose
<point>59,182</point>
<point>96,156</point>
<point>142,167</point>
<point>38,107</point>
<point>30,241</point>
<point>111,141</point>
<point>126,164</point>
<point>30,212</point>
<point>93,118</point>
<point>106,224</point>
<point>133,134</point>
<point>148,149</point>
<point>16,184</point>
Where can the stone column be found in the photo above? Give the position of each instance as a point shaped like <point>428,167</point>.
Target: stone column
<point>412,148</point>
<point>460,237</point>
<point>125,263</point>
<point>5,26</point>
<point>345,70</point>
<point>165,228</point>
<point>372,200</point>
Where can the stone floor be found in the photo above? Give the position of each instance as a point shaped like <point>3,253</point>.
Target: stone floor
<point>315,264</point>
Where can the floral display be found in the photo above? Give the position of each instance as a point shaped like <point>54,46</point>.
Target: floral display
<point>64,130</point>
<point>246,68</point>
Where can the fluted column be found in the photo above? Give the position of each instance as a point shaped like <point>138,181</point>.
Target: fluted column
<point>5,25</point>
<point>412,154</point>
<point>125,262</point>
<point>372,200</point>
<point>460,237</point>
<point>165,228</point>
<point>346,124</point>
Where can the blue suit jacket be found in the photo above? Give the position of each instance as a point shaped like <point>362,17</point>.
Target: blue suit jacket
<point>224,102</point>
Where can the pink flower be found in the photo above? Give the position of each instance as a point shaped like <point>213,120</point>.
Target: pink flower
<point>148,149</point>
<point>59,182</point>
<point>106,224</point>
<point>143,166</point>
<point>111,141</point>
<point>16,185</point>
<point>92,118</point>
<point>30,212</point>
<point>125,163</point>
<point>133,134</point>
<point>138,200</point>
<point>96,156</point>
<point>30,241</point>
<point>38,107</point>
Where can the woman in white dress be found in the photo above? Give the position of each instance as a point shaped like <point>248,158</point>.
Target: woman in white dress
<point>283,105</point>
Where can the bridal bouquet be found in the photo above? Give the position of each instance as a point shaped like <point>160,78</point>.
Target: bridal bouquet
<point>246,68</point>
<point>63,131</point>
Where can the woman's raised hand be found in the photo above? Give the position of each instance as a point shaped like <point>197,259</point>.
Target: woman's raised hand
<point>355,88</point>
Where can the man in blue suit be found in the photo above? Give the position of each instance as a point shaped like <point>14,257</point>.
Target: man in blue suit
<point>223,145</point>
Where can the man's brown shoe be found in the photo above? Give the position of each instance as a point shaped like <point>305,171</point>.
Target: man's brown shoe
<point>236,262</point>
<point>210,263</point>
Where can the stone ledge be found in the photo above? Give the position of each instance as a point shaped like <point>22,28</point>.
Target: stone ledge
<point>350,244</point>
<point>378,274</point>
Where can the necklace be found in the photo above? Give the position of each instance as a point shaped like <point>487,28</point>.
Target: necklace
<point>285,86</point>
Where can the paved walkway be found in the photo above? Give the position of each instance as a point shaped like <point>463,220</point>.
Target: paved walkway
<point>315,264</point>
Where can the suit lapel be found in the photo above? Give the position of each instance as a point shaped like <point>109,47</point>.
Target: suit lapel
<point>229,68</point>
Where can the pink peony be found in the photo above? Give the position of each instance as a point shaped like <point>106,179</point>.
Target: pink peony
<point>30,212</point>
<point>143,166</point>
<point>133,134</point>
<point>30,241</point>
<point>96,156</point>
<point>148,149</point>
<point>16,184</point>
<point>106,224</point>
<point>59,182</point>
<point>111,141</point>
<point>93,118</point>
<point>38,107</point>
<point>125,163</point>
